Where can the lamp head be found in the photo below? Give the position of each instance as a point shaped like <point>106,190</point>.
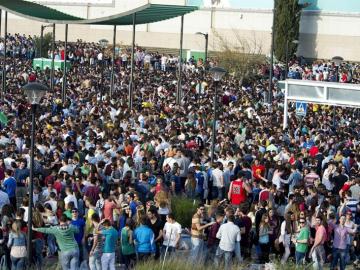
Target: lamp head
<point>34,92</point>
<point>337,60</point>
<point>217,73</point>
<point>295,41</point>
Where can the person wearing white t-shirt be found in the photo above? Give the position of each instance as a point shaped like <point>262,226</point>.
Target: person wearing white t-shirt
<point>217,175</point>
<point>171,235</point>
<point>70,197</point>
<point>230,236</point>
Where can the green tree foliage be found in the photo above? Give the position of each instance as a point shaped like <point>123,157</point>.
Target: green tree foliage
<point>46,44</point>
<point>287,23</point>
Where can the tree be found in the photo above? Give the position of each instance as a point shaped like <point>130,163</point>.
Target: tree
<point>241,57</point>
<point>46,44</point>
<point>287,23</point>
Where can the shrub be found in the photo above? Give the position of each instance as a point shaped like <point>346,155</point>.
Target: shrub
<point>183,209</point>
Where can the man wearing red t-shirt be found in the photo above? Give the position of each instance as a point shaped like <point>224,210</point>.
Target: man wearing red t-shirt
<point>258,170</point>
<point>238,190</point>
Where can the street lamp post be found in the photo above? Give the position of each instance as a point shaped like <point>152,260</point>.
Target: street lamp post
<point>217,74</point>
<point>206,36</point>
<point>287,56</point>
<point>103,44</point>
<point>337,61</point>
<point>34,92</point>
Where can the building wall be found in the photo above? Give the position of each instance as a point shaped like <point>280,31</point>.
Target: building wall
<point>323,34</point>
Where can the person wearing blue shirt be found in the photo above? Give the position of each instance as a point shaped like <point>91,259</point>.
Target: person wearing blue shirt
<point>79,237</point>
<point>132,204</point>
<point>144,240</point>
<point>111,237</point>
<point>9,186</point>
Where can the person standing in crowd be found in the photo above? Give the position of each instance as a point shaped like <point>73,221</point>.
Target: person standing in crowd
<point>127,244</point>
<point>69,249</point>
<point>238,190</point>
<point>302,242</point>
<point>171,235</point>
<point>264,238</point>
<point>17,246</point>
<point>144,240</point>
<point>97,244</point>
<point>80,235</point>
<point>341,233</point>
<point>155,224</point>
<point>9,185</point>
<point>229,235</point>
<point>317,251</point>
<point>197,233</point>
<point>110,243</point>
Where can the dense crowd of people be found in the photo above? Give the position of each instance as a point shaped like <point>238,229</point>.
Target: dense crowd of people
<point>106,176</point>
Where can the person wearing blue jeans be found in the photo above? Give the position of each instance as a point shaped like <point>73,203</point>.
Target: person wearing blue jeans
<point>69,259</point>
<point>111,236</point>
<point>341,233</point>
<point>69,250</point>
<point>97,246</point>
<point>17,245</point>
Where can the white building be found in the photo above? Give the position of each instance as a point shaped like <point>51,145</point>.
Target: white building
<point>328,27</point>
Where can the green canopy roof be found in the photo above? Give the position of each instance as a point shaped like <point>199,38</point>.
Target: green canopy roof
<point>144,14</point>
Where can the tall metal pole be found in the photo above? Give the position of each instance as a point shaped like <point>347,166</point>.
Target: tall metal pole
<point>5,52</point>
<point>272,55</point>
<point>52,61</point>
<point>334,108</point>
<point>206,49</point>
<point>0,21</point>
<point>131,85</point>
<point>113,64</point>
<point>179,88</point>
<point>41,39</point>
<point>31,187</point>
<point>63,93</point>
<point>286,59</point>
<point>213,135</point>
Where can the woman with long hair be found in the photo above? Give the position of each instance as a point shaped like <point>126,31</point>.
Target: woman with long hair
<point>17,246</point>
<point>287,230</point>
<point>274,224</point>
<point>127,244</point>
<point>264,229</point>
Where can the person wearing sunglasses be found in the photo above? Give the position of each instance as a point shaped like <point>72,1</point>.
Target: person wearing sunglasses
<point>302,241</point>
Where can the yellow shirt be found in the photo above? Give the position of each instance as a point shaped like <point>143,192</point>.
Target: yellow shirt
<point>88,225</point>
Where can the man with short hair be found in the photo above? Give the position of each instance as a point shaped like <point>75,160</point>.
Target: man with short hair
<point>197,233</point>
<point>341,233</point>
<point>230,236</point>
<point>317,252</point>
<point>144,240</point>
<point>111,237</point>
<point>171,234</point>
<point>10,187</point>
<point>64,234</point>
